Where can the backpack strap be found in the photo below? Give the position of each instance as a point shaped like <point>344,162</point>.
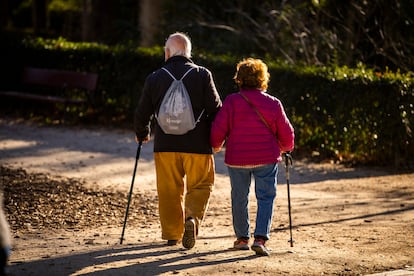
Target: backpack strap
<point>186,73</point>
<point>169,73</point>
<point>199,117</point>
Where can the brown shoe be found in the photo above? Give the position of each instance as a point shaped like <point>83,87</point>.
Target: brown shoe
<point>241,244</point>
<point>260,248</point>
<point>189,237</point>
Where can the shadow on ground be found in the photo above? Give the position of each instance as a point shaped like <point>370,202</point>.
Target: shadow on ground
<point>145,259</point>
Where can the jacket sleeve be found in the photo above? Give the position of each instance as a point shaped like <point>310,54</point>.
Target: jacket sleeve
<point>144,112</point>
<point>285,131</point>
<point>212,97</point>
<point>220,126</point>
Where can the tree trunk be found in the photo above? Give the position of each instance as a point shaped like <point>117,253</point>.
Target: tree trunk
<point>149,19</point>
<point>86,20</point>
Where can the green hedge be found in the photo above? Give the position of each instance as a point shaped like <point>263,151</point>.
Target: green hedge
<point>351,114</point>
<point>345,114</point>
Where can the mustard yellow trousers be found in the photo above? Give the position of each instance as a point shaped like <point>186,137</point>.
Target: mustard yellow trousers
<point>184,184</point>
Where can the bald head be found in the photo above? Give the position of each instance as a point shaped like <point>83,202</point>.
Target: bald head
<point>178,44</point>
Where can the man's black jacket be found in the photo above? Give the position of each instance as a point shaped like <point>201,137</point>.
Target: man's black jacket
<point>203,94</point>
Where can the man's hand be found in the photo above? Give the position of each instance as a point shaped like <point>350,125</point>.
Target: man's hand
<point>145,140</point>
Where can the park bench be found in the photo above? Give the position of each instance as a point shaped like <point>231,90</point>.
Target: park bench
<point>55,86</point>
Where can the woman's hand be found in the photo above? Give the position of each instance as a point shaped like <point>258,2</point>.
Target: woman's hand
<point>215,150</point>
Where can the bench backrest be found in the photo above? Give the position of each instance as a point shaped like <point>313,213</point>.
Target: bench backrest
<point>60,78</point>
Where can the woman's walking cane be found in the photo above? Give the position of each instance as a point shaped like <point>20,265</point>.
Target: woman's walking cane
<point>288,161</point>
<point>130,190</point>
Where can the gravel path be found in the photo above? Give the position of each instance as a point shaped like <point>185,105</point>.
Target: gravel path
<point>343,217</point>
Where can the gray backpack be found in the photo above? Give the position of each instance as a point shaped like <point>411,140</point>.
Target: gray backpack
<point>175,115</point>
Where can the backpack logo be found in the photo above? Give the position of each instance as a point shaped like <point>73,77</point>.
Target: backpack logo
<point>175,115</point>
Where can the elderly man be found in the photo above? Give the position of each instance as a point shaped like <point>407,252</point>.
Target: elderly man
<point>184,163</point>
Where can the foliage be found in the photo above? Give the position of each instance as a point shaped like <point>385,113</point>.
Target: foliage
<point>350,114</point>
<point>377,33</point>
<point>64,5</point>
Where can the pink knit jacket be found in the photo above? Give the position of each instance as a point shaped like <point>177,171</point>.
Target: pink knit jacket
<point>247,140</point>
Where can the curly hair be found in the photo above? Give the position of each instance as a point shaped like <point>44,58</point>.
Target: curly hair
<point>252,73</point>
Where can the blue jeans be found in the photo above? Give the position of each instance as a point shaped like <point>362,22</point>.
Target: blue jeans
<point>265,178</point>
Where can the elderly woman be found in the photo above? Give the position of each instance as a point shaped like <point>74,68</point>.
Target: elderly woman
<point>256,130</point>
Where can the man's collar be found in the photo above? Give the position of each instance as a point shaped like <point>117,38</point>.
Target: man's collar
<point>178,58</point>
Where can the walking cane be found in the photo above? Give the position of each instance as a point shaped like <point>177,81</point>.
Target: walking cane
<point>130,190</point>
<point>288,161</point>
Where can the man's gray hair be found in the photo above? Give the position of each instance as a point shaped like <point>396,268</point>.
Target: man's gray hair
<point>179,44</point>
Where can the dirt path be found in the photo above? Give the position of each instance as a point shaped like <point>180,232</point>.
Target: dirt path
<point>346,221</point>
